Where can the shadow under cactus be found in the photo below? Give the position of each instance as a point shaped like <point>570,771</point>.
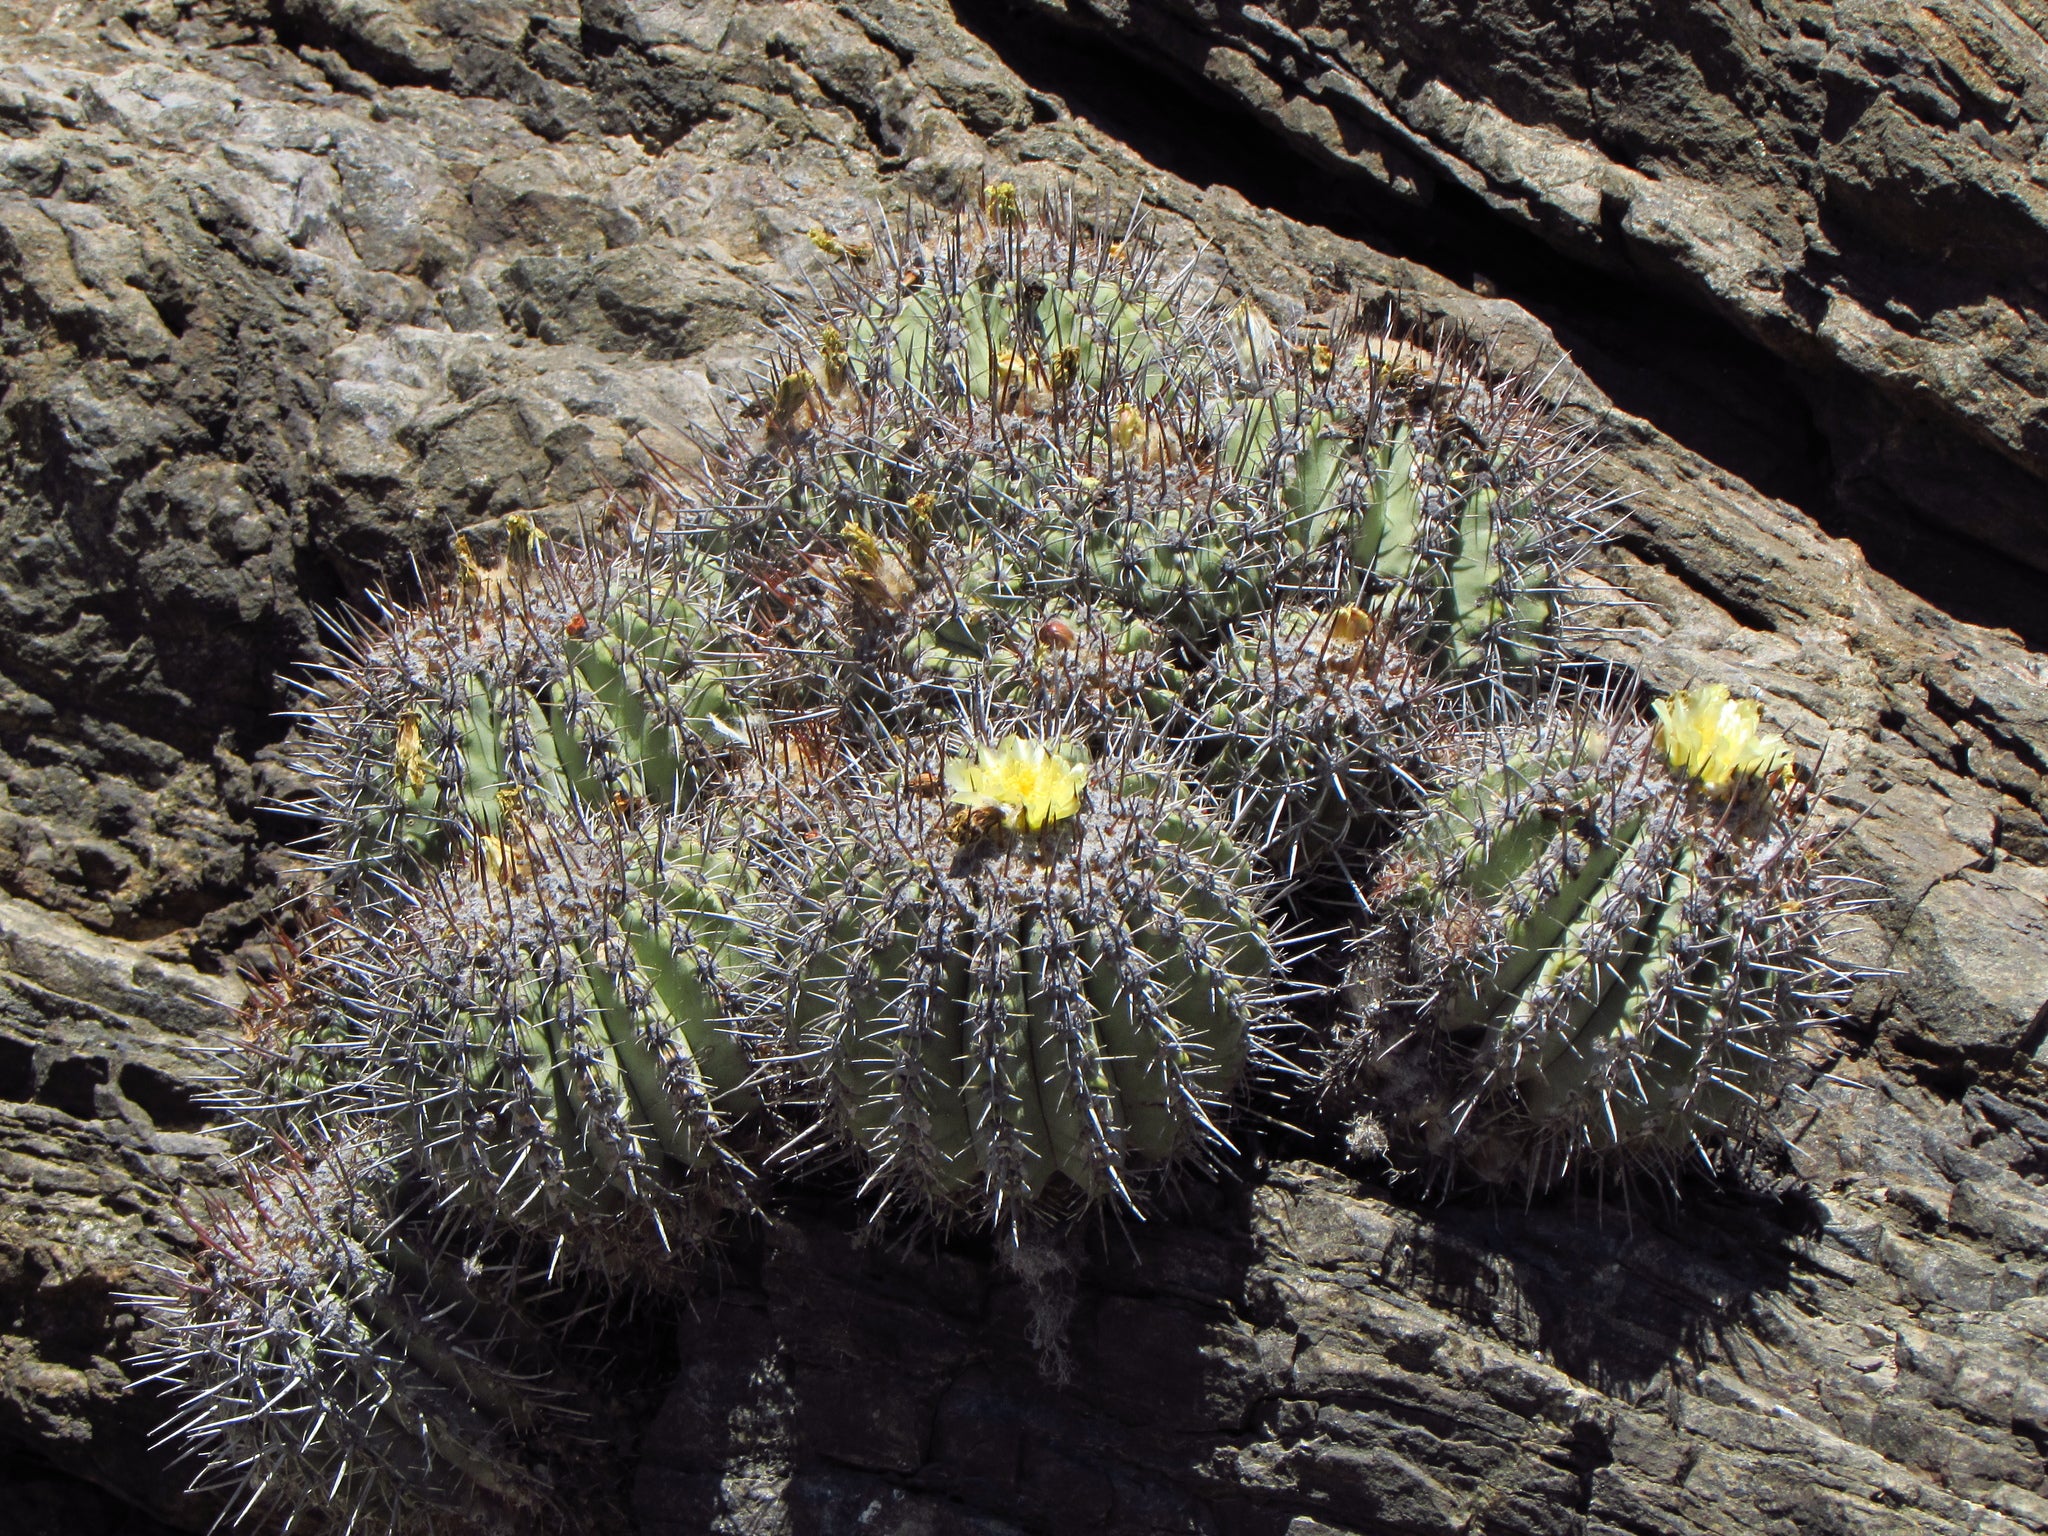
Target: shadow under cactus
<point>834,1383</point>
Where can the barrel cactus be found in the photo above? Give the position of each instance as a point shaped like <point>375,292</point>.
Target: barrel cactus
<point>554,1026</point>
<point>1314,726</point>
<point>1598,943</point>
<point>336,1374</point>
<point>583,675</point>
<point>1024,981</point>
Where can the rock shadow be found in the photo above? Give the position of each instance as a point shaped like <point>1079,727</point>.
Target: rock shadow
<point>1619,1297</point>
<point>834,1383</point>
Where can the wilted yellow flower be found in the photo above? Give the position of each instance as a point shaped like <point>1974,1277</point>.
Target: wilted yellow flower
<point>1715,740</point>
<point>1024,780</point>
<point>790,396</point>
<point>523,539</point>
<point>836,248</point>
<point>833,359</point>
<point>504,862</point>
<point>1128,429</point>
<point>1253,335</point>
<point>862,548</point>
<point>409,757</point>
<point>1349,624</point>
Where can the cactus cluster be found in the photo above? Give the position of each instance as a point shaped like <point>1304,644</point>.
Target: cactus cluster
<point>932,785</point>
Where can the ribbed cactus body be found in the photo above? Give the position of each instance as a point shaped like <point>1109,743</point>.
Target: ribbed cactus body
<point>554,1024</point>
<point>1602,964</point>
<point>558,678</point>
<point>1008,1022</point>
<point>337,1375</point>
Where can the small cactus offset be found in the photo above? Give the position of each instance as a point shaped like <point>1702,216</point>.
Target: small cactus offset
<point>1024,981</point>
<point>337,1377</point>
<point>1598,944</point>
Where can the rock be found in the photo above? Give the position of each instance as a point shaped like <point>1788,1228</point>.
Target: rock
<point>106,1140</point>
<point>295,291</point>
<point>1994,1000</point>
<point>1313,1355</point>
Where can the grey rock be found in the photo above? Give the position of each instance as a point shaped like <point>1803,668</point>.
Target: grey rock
<point>106,1141</point>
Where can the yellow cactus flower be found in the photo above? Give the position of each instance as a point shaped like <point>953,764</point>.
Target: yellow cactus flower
<point>838,249</point>
<point>1030,785</point>
<point>523,539</point>
<point>791,395</point>
<point>1000,203</point>
<point>1715,740</point>
<point>504,862</point>
<point>863,550</point>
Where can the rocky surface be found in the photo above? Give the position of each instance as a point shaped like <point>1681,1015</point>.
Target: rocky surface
<point>292,291</point>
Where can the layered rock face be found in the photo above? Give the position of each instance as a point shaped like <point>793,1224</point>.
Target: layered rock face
<point>292,292</point>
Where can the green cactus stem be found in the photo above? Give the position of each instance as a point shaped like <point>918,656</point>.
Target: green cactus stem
<point>334,1375</point>
<point>1593,957</point>
<point>1313,728</point>
<point>1018,996</point>
<point>555,1026</point>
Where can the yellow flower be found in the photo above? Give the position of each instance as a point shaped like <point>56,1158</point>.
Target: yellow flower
<point>1024,780</point>
<point>1001,205</point>
<point>838,249</point>
<point>1715,740</point>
